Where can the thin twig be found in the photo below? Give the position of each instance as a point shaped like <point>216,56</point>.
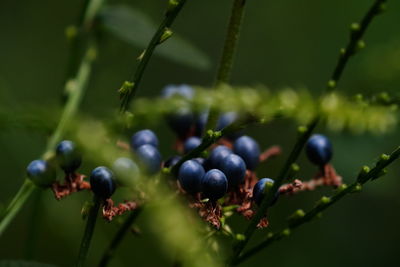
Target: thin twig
<point>175,7</point>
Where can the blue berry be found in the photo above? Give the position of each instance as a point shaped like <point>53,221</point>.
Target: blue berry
<point>144,137</point>
<point>181,122</point>
<point>234,168</point>
<point>258,191</point>
<point>178,90</point>
<point>214,184</point>
<point>191,144</point>
<point>319,149</point>
<point>41,173</point>
<point>102,182</point>
<point>218,154</point>
<point>200,123</point>
<point>227,119</point>
<point>126,171</point>
<point>68,157</point>
<point>190,176</point>
<point>172,161</point>
<point>247,148</point>
<point>201,161</point>
<point>150,158</point>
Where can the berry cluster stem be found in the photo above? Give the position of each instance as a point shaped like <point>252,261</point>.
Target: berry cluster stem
<point>175,6</point>
<point>112,247</point>
<point>228,53</point>
<point>356,35</point>
<point>89,229</point>
<point>322,205</point>
<point>76,86</point>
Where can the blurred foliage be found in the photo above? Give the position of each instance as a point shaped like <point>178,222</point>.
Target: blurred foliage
<point>290,44</point>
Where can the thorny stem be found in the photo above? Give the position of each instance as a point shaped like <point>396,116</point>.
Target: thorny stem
<point>357,34</point>
<point>87,236</point>
<point>228,53</point>
<point>324,203</point>
<point>175,7</point>
<point>109,252</point>
<point>76,86</point>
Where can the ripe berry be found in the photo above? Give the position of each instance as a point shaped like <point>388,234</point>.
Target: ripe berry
<point>227,119</point>
<point>126,171</point>
<point>201,161</point>
<point>319,149</point>
<point>102,182</point>
<point>247,148</point>
<point>190,176</point>
<point>217,156</point>
<point>234,168</point>
<point>41,173</point>
<point>182,90</point>
<point>150,158</point>
<point>68,157</point>
<point>191,144</point>
<point>258,191</point>
<point>214,184</point>
<point>181,121</point>
<point>144,137</point>
<point>172,161</point>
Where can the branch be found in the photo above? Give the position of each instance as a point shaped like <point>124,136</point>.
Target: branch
<point>161,35</point>
<point>300,218</point>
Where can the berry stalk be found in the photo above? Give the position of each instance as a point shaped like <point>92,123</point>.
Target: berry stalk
<point>301,218</point>
<point>89,229</point>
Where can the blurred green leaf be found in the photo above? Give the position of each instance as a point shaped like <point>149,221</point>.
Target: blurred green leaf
<point>21,263</point>
<point>136,28</point>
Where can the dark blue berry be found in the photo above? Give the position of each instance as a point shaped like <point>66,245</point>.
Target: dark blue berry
<point>102,182</point>
<point>172,161</point>
<point>150,158</point>
<point>181,122</point>
<point>201,161</point>
<point>258,191</point>
<point>319,149</point>
<point>247,148</point>
<point>41,173</point>
<point>218,154</point>
<point>227,119</point>
<point>191,144</point>
<point>144,137</point>
<point>68,156</point>
<point>178,90</point>
<point>190,176</point>
<point>214,184</point>
<point>200,123</point>
<point>234,168</point>
<point>126,171</point>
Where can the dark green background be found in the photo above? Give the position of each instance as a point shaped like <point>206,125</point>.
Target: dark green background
<point>283,43</point>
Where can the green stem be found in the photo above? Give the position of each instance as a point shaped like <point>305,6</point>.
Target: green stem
<point>356,36</point>
<point>109,252</point>
<point>228,53</point>
<point>175,7</point>
<point>15,205</point>
<point>76,87</point>
<point>325,203</point>
<point>87,236</point>
<point>357,32</point>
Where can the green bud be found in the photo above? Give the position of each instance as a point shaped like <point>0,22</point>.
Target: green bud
<point>126,88</point>
<point>331,84</point>
<point>240,237</point>
<point>166,35</point>
<point>324,200</point>
<point>355,27</point>
<point>360,45</point>
<point>301,129</point>
<point>357,188</point>
<point>71,32</point>
<point>286,232</point>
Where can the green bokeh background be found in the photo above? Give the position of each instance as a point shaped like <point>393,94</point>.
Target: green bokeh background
<point>283,43</point>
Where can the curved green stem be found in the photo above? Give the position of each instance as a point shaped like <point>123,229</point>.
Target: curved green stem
<point>160,35</point>
<point>302,218</point>
<point>109,252</point>
<point>15,205</point>
<point>89,229</point>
